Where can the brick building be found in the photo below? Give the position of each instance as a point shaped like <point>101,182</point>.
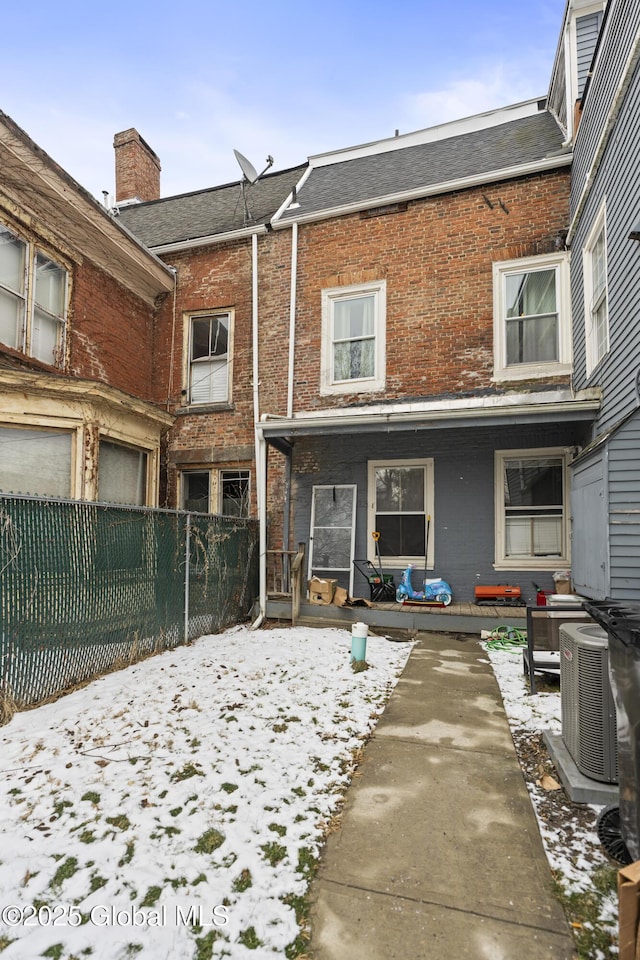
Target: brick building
<point>78,304</point>
<point>380,341</point>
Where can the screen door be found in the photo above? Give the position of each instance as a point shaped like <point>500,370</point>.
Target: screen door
<point>332,536</point>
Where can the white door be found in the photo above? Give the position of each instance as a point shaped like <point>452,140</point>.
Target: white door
<point>333,531</point>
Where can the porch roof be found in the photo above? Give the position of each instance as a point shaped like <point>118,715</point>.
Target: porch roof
<point>552,406</point>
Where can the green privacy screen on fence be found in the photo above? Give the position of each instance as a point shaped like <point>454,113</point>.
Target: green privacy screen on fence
<point>85,587</point>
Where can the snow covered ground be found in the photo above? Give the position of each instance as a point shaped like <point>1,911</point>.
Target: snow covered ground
<point>175,809</point>
<point>573,850</point>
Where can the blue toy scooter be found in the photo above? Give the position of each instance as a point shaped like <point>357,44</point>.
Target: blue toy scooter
<point>435,590</point>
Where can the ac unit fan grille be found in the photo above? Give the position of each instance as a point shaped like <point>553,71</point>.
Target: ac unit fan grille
<point>588,709</point>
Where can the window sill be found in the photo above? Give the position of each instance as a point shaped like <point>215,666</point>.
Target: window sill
<point>204,408</point>
<point>352,386</point>
<point>556,563</point>
<point>532,371</point>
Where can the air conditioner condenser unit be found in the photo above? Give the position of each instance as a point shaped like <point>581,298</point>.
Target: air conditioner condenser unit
<point>587,705</point>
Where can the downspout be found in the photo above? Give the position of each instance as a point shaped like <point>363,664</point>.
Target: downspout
<point>292,316</point>
<point>286,526</point>
<point>261,486</point>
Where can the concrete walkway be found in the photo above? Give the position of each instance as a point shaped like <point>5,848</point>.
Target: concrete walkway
<point>438,855</point>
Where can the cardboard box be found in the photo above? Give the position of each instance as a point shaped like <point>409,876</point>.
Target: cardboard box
<point>628,911</point>
<point>562,581</point>
<point>321,591</point>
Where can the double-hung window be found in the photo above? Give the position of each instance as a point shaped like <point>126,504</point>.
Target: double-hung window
<point>531,318</point>
<point>596,306</point>
<point>33,299</point>
<point>353,338</point>
<point>209,358</point>
<point>531,509</point>
<point>216,491</point>
<point>400,510</point>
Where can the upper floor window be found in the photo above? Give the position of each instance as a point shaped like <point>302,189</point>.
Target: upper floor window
<point>209,358</point>
<point>532,522</point>
<point>596,308</point>
<point>33,299</point>
<point>353,338</point>
<point>531,318</point>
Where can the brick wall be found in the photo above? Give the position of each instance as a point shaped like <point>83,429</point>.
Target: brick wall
<point>436,257</point>
<point>111,333</point>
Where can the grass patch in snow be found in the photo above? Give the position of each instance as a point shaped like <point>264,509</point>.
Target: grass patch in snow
<point>209,841</point>
<point>250,939</point>
<point>128,854</point>
<point>66,870</point>
<point>121,822</point>
<point>583,910</point>
<point>91,796</point>
<point>185,773</point>
<point>151,897</point>
<point>204,946</point>
<point>242,882</point>
<point>273,852</point>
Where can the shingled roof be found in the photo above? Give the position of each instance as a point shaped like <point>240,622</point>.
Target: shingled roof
<point>208,213</point>
<point>388,172</point>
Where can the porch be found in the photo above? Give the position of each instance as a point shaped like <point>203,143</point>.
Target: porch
<point>287,600</point>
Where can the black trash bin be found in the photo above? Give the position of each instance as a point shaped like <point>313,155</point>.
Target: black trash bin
<point>619,825</point>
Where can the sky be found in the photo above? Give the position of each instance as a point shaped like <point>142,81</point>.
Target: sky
<point>266,78</point>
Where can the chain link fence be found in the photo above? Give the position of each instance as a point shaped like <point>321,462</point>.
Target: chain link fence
<point>87,587</point>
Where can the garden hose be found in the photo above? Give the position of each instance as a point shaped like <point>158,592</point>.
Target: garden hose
<point>507,638</point>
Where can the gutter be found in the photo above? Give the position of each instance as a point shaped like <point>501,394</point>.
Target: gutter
<point>443,411</point>
<point>449,186</point>
<point>210,239</point>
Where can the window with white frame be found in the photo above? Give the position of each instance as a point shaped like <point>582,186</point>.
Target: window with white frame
<point>209,358</point>
<point>400,510</point>
<point>531,509</point>
<point>353,338</point>
<point>216,491</point>
<point>532,336</point>
<point>596,306</point>
<point>33,299</point>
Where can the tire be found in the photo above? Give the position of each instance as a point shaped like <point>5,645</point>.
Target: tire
<point>444,598</point>
<point>609,830</point>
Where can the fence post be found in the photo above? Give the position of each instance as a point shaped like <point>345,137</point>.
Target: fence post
<point>187,575</point>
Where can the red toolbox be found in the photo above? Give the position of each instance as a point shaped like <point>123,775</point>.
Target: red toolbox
<point>499,595</point>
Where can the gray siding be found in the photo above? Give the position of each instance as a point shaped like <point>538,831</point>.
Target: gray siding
<point>624,511</point>
<point>587,29</point>
<point>463,520</point>
<point>590,550</point>
<point>618,32</point>
<point>618,182</point>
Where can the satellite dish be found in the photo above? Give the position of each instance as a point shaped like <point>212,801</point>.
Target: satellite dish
<point>248,169</point>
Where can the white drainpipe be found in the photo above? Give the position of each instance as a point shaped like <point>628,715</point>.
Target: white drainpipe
<point>261,486</point>
<point>292,317</point>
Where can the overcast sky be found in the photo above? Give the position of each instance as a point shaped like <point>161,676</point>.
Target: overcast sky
<point>198,78</point>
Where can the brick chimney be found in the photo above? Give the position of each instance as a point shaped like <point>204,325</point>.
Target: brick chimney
<point>137,168</point>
